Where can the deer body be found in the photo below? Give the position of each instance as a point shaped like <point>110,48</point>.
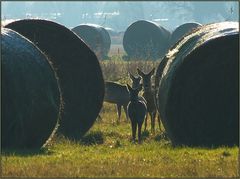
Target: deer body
<point>117,94</point>
<point>137,111</point>
<point>149,96</point>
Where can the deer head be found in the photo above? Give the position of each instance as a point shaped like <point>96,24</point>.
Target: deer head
<point>135,80</point>
<point>133,92</point>
<point>146,78</point>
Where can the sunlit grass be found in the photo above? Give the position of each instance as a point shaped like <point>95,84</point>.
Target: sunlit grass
<point>107,151</point>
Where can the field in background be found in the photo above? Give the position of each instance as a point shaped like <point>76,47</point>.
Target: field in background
<point>117,70</point>
<point>116,50</point>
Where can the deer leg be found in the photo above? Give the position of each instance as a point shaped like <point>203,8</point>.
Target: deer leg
<point>134,129</point>
<point>145,127</point>
<point>119,108</point>
<point>159,122</point>
<point>126,112</point>
<point>153,115</point>
<point>139,133</point>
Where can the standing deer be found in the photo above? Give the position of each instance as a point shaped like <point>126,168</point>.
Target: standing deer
<point>149,95</point>
<point>137,111</point>
<point>118,94</point>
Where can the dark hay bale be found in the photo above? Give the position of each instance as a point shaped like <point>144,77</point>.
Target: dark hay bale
<point>96,37</point>
<point>79,72</point>
<point>30,94</point>
<point>183,30</point>
<point>198,89</point>
<point>146,40</point>
<point>158,75</point>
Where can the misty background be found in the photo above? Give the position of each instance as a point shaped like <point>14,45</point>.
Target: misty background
<point>118,15</point>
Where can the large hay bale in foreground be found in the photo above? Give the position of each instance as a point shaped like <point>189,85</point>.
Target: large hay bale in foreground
<point>96,37</point>
<point>146,40</point>
<point>30,93</point>
<point>79,72</point>
<point>198,90</point>
<point>182,30</point>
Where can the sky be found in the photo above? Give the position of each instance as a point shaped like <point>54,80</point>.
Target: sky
<point>118,15</point>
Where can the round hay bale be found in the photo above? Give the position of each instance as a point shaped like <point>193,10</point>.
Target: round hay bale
<point>183,30</point>
<point>96,37</point>
<point>80,76</point>
<point>30,94</point>
<point>146,40</point>
<point>198,89</point>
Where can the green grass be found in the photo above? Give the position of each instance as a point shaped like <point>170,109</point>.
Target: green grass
<point>107,151</point>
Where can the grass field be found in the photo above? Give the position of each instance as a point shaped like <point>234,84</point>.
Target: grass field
<point>107,151</point>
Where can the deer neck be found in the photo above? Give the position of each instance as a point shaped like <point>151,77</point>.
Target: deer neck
<point>147,90</point>
<point>134,100</point>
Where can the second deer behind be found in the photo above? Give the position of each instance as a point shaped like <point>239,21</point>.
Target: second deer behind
<point>149,95</point>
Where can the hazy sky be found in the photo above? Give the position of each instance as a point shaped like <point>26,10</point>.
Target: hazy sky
<point>119,15</point>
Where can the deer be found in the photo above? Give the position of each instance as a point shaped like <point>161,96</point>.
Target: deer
<point>118,94</point>
<point>149,95</point>
<point>137,111</point>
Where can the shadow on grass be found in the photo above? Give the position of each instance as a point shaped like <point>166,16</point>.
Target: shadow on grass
<point>161,136</point>
<point>145,134</point>
<point>92,138</point>
<point>26,152</point>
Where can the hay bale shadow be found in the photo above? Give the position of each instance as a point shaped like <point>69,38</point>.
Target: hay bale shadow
<point>27,152</point>
<point>161,136</point>
<point>92,138</point>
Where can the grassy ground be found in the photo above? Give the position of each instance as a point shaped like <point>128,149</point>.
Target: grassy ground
<point>106,151</point>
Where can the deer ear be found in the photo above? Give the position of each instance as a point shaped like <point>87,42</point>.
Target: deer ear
<point>140,72</point>
<point>129,87</point>
<point>130,75</point>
